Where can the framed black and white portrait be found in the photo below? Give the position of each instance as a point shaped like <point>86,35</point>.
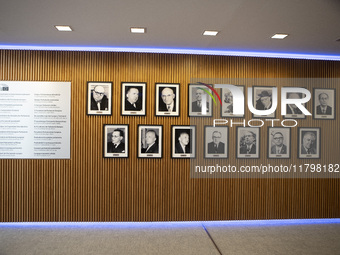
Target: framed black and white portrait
<point>150,141</point>
<point>199,101</point>
<point>99,100</point>
<point>248,142</point>
<point>116,141</point>
<point>183,141</point>
<point>167,99</point>
<point>324,104</point>
<point>133,98</point>
<point>278,142</point>
<point>309,142</point>
<point>292,111</point>
<point>215,142</point>
<point>227,103</point>
<point>262,100</point>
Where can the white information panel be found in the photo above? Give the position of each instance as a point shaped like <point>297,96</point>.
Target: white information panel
<point>35,120</point>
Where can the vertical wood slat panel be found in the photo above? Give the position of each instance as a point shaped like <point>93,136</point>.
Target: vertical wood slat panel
<point>90,188</point>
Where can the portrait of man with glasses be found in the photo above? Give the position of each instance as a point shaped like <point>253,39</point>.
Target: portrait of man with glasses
<point>99,98</point>
<point>278,142</point>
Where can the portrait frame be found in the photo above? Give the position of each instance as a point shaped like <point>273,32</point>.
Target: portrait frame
<point>284,151</point>
<point>219,152</point>
<point>107,96</point>
<point>302,154</point>
<point>160,106</point>
<point>294,115</point>
<point>260,90</point>
<point>142,150</point>
<point>108,129</point>
<point>193,109</point>
<point>127,108</point>
<point>330,108</point>
<point>241,152</point>
<point>176,131</point>
<point>226,105</point>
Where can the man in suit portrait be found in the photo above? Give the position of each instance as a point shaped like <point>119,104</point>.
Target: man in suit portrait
<point>132,102</point>
<point>196,106</point>
<point>182,146</point>
<point>323,108</point>
<point>308,143</point>
<point>265,100</point>
<point>278,147</point>
<point>292,108</point>
<point>151,140</point>
<point>99,100</point>
<point>216,146</point>
<point>116,145</point>
<point>168,103</point>
<point>249,143</point>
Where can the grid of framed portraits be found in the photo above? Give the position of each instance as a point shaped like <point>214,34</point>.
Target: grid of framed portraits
<point>215,142</point>
<point>99,100</point>
<point>183,138</point>
<point>324,104</point>
<point>167,99</point>
<point>199,101</point>
<point>309,142</point>
<point>133,98</point>
<point>227,103</point>
<point>183,141</point>
<point>248,145</point>
<point>150,141</point>
<point>278,142</point>
<point>116,141</point>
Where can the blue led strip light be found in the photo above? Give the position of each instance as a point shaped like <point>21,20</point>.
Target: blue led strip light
<point>173,224</point>
<point>175,51</point>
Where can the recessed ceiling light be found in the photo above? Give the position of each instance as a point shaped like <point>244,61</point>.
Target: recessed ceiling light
<point>64,28</point>
<point>279,36</point>
<point>209,32</point>
<point>138,30</point>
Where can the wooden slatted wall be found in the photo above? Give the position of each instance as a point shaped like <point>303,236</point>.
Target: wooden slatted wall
<point>90,188</point>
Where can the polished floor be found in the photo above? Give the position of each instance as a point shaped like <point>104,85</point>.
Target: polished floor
<point>315,236</point>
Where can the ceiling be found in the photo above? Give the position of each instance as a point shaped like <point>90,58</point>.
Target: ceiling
<point>245,25</point>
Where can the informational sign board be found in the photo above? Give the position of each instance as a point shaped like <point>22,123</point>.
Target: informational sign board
<point>35,120</point>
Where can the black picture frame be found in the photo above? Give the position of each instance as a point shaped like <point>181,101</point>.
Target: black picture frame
<point>227,103</point>
<point>258,92</point>
<point>160,106</point>
<point>290,114</point>
<point>194,110</point>
<point>274,139</point>
<point>221,150</point>
<point>241,150</point>
<point>330,108</point>
<point>178,131</point>
<point>122,151</point>
<point>102,91</point>
<point>133,96</point>
<point>315,148</point>
<point>153,150</point>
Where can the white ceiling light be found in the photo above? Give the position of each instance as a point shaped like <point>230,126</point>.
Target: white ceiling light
<point>64,28</point>
<point>279,36</point>
<point>210,32</point>
<point>138,30</point>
